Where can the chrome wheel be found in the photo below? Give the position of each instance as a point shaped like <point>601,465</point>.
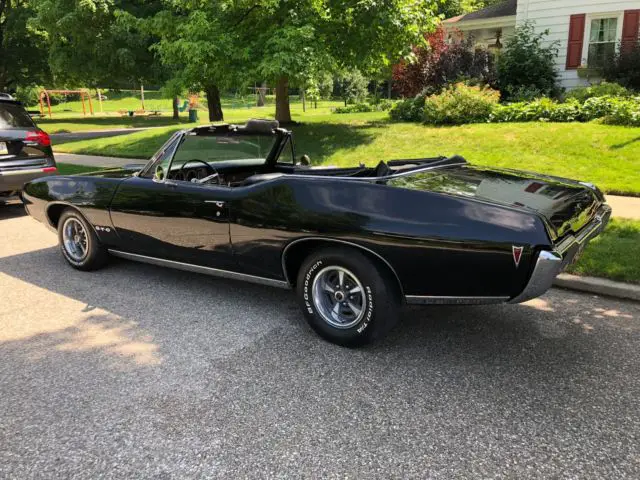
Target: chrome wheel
<point>339,297</point>
<point>75,239</point>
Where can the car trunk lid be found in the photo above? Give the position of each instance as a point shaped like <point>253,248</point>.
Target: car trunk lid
<point>565,205</point>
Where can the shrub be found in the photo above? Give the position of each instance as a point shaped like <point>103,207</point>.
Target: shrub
<point>460,104</point>
<point>602,90</point>
<point>527,63</point>
<point>353,87</point>
<point>381,106</point>
<point>612,110</point>
<point>624,68</point>
<point>440,64</point>
<point>408,110</point>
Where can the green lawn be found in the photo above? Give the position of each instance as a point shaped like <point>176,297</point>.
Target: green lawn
<point>71,169</point>
<point>608,156</point>
<point>615,254</point>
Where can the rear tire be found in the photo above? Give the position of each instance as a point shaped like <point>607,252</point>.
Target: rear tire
<point>346,298</point>
<point>79,242</point>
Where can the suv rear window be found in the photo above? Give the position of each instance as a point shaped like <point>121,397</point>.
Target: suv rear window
<point>14,116</point>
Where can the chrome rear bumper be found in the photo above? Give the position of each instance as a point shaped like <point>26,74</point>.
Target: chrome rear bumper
<point>551,263</point>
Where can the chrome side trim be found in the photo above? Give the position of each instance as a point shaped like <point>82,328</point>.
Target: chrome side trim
<point>334,240</point>
<point>200,269</point>
<point>548,266</point>
<point>432,300</point>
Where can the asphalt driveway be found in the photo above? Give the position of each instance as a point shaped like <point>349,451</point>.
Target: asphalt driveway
<point>142,372</point>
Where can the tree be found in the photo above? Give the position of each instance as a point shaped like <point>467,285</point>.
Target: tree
<point>353,87</point>
<point>440,64</point>
<point>23,47</point>
<point>94,42</point>
<point>297,40</point>
<point>199,42</point>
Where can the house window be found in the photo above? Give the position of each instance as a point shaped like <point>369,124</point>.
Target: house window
<point>602,41</point>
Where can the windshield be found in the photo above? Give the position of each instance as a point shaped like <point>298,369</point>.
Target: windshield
<point>14,116</point>
<point>221,148</point>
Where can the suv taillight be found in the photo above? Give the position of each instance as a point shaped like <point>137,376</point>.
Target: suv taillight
<point>39,137</point>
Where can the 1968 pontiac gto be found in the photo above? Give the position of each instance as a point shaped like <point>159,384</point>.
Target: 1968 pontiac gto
<point>355,243</point>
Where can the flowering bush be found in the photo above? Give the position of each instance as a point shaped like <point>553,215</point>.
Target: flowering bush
<point>460,104</point>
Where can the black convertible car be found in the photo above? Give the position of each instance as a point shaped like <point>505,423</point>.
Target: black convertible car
<point>355,243</point>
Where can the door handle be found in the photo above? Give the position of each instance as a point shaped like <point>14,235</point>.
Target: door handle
<point>218,203</point>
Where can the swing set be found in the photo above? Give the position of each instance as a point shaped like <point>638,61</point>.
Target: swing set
<point>45,94</point>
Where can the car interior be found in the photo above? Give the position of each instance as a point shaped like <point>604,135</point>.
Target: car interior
<point>241,156</point>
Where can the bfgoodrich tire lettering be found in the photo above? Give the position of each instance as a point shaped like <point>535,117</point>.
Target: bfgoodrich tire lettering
<point>345,297</point>
<point>79,243</point>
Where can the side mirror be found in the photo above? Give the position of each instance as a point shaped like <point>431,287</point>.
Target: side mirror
<point>305,161</point>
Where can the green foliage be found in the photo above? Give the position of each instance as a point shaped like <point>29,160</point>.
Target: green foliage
<point>624,68</point>
<point>23,46</point>
<point>353,87</point>
<point>381,106</point>
<point>542,109</point>
<point>460,104</point>
<point>99,42</point>
<point>408,110</point>
<point>526,62</point>
<point>611,110</point>
<point>28,94</point>
<point>604,89</point>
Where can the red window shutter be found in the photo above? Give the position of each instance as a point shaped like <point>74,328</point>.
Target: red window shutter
<point>576,38</point>
<point>630,29</point>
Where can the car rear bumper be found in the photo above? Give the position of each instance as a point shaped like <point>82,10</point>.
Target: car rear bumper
<point>551,263</point>
<point>14,179</point>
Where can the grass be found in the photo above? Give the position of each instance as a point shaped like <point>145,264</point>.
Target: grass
<point>71,169</point>
<point>608,156</point>
<point>614,254</point>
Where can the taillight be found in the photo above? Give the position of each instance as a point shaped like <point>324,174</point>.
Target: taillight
<point>40,137</point>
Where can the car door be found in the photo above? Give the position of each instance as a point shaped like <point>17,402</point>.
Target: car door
<point>175,220</point>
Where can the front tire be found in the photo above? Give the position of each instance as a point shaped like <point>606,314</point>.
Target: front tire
<point>346,298</point>
<point>79,243</point>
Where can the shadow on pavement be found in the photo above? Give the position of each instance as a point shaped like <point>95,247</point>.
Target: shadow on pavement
<point>11,209</point>
<point>180,374</point>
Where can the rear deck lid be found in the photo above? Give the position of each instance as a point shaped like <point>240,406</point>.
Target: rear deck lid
<point>566,205</point>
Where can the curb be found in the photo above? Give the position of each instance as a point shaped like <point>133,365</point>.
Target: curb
<point>600,286</point>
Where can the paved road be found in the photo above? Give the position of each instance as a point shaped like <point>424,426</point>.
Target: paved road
<point>143,372</point>
<point>58,138</point>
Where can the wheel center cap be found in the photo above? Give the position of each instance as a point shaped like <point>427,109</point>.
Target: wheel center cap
<point>76,238</point>
<point>339,296</point>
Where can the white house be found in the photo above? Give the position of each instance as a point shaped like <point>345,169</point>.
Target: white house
<point>586,30</point>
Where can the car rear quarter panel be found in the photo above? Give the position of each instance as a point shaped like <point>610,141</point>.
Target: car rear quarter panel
<point>90,195</point>
<point>438,245</point>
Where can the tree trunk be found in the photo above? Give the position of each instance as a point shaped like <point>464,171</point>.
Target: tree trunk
<point>213,103</point>
<point>304,102</point>
<point>283,111</point>
<point>389,87</point>
<point>262,92</point>
<point>176,112</point>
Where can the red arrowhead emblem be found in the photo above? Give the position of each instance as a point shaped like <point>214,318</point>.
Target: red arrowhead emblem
<point>517,254</point>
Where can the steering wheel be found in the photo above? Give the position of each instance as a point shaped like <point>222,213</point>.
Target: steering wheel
<point>213,170</point>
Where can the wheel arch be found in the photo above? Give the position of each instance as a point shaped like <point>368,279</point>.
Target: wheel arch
<point>54,212</point>
<point>296,251</point>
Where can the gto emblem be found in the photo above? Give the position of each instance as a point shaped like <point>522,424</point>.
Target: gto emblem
<point>517,254</point>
